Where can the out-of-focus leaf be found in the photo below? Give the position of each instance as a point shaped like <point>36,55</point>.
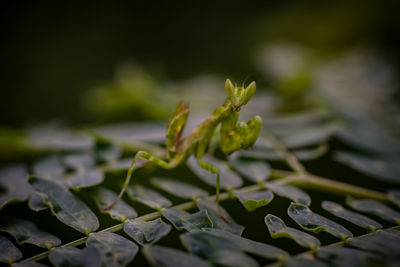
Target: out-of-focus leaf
<point>85,178</point>
<point>122,211</point>
<point>203,242</point>
<point>254,170</point>
<point>35,202</point>
<point>380,168</point>
<point>146,232</point>
<point>49,167</point>
<point>169,257</point>
<point>394,196</point>
<point>51,138</point>
<point>228,178</point>
<point>147,197</point>
<point>219,217</point>
<point>27,232</point>
<point>184,220</point>
<point>385,242</point>
<point>353,217</point>
<point>303,262</point>
<point>375,208</point>
<point>177,188</point>
<point>231,258</point>
<point>115,250</point>
<point>28,264</point>
<point>108,152</point>
<point>78,161</point>
<point>8,252</point>
<point>14,181</point>
<point>71,256</point>
<point>65,206</point>
<point>278,229</point>
<point>254,200</point>
<point>313,222</point>
<point>341,256</point>
<point>290,192</point>
<point>312,153</point>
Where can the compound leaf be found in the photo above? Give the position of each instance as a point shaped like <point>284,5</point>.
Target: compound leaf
<point>71,256</point>
<point>184,220</point>
<point>145,232</point>
<point>375,208</point>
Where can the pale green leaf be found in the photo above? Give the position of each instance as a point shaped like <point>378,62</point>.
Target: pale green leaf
<point>353,217</point>
<point>254,200</point>
<point>394,197</point>
<point>385,242</point>
<point>85,178</point>
<point>27,232</point>
<point>316,223</point>
<point>65,206</point>
<point>145,232</point>
<point>71,256</point>
<point>375,208</point>
<point>147,197</point>
<point>115,250</point>
<point>184,220</point>
<point>14,185</point>
<point>342,256</point>
<point>290,192</point>
<point>122,211</point>
<point>178,188</point>
<point>278,229</point>
<point>228,178</point>
<point>380,168</point>
<point>169,257</point>
<point>8,252</point>
<point>219,217</point>
<point>254,170</point>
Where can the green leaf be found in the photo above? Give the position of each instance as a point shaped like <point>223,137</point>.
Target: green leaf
<point>353,217</point>
<point>122,211</point>
<point>8,252</point>
<point>177,188</point>
<point>313,222</point>
<point>147,197</point>
<point>380,168</point>
<point>228,178</point>
<point>184,220</point>
<point>303,262</point>
<point>65,206</point>
<point>85,178</point>
<point>146,232</point>
<point>290,192</point>
<point>71,256</point>
<point>312,153</point>
<point>375,208</point>
<point>28,264</point>
<point>394,197</point>
<point>78,161</point>
<point>14,184</point>
<point>114,249</point>
<point>203,242</point>
<point>385,242</point>
<point>278,229</point>
<point>49,167</point>
<point>27,232</point>
<point>254,170</point>
<point>219,217</point>
<point>340,256</point>
<point>254,200</point>
<point>36,203</point>
<point>231,258</point>
<point>169,257</point>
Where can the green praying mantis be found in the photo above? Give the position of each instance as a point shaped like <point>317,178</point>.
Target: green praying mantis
<point>233,135</point>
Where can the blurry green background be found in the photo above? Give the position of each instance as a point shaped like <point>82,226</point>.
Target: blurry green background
<point>53,52</point>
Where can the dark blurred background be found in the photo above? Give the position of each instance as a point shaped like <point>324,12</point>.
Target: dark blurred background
<point>52,52</point>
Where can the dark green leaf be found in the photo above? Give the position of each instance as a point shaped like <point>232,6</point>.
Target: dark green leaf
<point>78,161</point>
<point>65,206</point>
<point>184,220</point>
<point>169,257</point>
<point>313,222</point>
<point>254,200</point>
<point>147,197</point>
<point>376,208</point>
<point>394,196</point>
<point>122,211</point>
<point>254,170</point>
<point>219,217</point>
<point>71,256</point>
<point>380,168</point>
<point>146,232</point>
<point>177,188</point>
<point>303,262</point>
<point>14,181</point>
<point>8,252</point>
<point>36,203</point>
<point>49,167</point>
<point>28,264</point>
<point>290,192</point>
<point>27,232</point>
<point>278,229</point>
<point>115,250</point>
<point>340,256</point>
<point>85,178</point>
<point>350,216</point>
<point>310,136</point>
